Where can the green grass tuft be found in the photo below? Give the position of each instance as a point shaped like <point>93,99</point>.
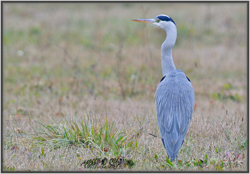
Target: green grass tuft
<point>86,133</point>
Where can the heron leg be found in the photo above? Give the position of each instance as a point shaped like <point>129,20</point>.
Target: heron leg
<point>176,160</point>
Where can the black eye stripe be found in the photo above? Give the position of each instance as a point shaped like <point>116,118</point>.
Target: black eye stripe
<point>165,18</point>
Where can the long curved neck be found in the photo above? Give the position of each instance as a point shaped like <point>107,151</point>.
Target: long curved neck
<point>167,62</point>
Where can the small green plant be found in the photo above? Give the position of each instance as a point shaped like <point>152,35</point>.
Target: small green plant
<point>8,168</point>
<point>84,133</point>
<point>156,157</point>
<point>206,159</point>
<point>223,97</point>
<point>169,162</point>
<point>219,167</point>
<point>243,144</point>
<point>227,86</point>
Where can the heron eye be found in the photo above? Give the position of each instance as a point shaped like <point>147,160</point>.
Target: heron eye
<point>158,20</point>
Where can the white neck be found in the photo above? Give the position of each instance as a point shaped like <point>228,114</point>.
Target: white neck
<point>167,62</point>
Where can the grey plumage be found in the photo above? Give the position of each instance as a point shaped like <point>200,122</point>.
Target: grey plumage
<point>174,104</point>
<point>174,95</point>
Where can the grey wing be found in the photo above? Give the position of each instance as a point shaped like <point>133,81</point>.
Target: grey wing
<point>175,103</point>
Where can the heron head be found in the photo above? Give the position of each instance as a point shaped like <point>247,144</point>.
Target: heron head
<point>160,21</point>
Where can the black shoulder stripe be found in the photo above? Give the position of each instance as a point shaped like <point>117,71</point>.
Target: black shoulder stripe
<point>188,79</point>
<point>162,78</point>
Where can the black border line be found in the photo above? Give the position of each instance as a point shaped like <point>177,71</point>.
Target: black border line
<point>128,171</point>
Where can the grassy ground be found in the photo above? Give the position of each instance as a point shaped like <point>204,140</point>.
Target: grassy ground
<point>79,83</point>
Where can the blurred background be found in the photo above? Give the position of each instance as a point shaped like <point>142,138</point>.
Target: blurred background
<point>81,49</point>
<point>63,59</point>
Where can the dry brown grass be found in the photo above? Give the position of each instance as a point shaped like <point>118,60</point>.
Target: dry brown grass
<point>80,58</point>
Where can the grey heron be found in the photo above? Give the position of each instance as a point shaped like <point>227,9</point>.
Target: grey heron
<point>174,97</point>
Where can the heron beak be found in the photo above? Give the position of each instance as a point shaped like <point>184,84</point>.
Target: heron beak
<point>148,21</point>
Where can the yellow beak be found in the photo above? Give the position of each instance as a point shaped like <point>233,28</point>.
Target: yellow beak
<point>148,21</point>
